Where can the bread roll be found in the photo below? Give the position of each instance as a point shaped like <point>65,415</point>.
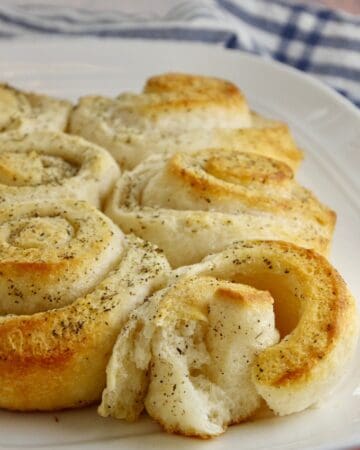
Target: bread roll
<point>201,352</point>
<point>68,280</point>
<point>46,165</point>
<point>131,147</point>
<point>186,357</point>
<point>180,113</point>
<point>27,112</point>
<point>192,205</point>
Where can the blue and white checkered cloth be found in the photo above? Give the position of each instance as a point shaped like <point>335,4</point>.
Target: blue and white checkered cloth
<point>317,40</point>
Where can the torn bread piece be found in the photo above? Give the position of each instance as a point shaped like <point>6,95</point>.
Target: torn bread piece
<point>200,354</point>
<point>186,357</point>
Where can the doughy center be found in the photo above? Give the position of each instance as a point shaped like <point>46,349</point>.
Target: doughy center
<point>32,169</point>
<point>201,357</point>
<point>221,180</point>
<point>41,232</point>
<point>52,255</point>
<point>243,168</point>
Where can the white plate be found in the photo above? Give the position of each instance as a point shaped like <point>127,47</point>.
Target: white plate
<point>325,125</point>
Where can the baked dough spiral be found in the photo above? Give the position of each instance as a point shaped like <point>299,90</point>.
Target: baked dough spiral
<point>192,205</point>
<point>53,165</point>
<point>131,147</point>
<point>201,353</point>
<point>178,112</point>
<point>27,111</point>
<point>68,280</point>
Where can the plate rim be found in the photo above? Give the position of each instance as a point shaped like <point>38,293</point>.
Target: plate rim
<point>304,76</point>
<point>301,76</point>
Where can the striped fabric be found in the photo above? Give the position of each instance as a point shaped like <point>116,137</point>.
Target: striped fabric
<point>316,40</point>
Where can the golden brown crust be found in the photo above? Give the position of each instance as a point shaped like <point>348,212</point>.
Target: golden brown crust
<point>195,204</point>
<point>130,147</point>
<point>245,295</point>
<point>195,332</point>
<point>293,361</point>
<point>194,90</point>
<point>54,359</point>
<point>255,180</point>
<point>50,165</point>
<point>181,351</point>
<point>180,102</point>
<point>174,112</point>
<point>76,294</point>
<point>190,297</point>
<point>180,82</point>
<point>311,296</point>
<point>273,141</point>
<point>179,112</point>
<point>243,168</point>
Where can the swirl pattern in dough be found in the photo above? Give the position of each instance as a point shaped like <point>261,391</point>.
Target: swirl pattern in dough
<point>131,147</point>
<point>201,353</point>
<point>68,280</point>
<point>53,165</point>
<point>178,112</point>
<point>27,111</point>
<point>192,205</point>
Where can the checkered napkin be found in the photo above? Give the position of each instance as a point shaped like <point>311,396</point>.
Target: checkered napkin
<point>317,40</point>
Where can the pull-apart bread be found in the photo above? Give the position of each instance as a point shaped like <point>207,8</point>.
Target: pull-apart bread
<point>27,111</point>
<point>47,165</point>
<point>203,352</point>
<point>89,309</point>
<point>192,205</point>
<point>68,280</point>
<point>178,112</point>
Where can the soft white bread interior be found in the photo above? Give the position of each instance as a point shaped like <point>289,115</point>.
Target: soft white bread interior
<point>315,314</point>
<point>199,354</point>
<point>186,357</point>
<point>48,165</point>
<point>192,205</point>
<point>27,111</point>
